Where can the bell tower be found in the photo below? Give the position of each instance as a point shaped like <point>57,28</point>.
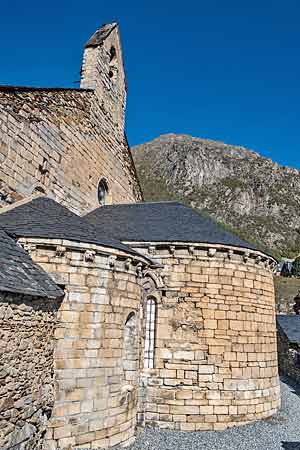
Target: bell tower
<point>102,71</point>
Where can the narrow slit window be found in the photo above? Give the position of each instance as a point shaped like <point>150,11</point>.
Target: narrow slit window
<point>130,349</point>
<point>150,333</point>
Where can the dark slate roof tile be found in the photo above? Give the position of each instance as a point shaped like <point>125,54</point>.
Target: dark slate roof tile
<point>161,222</point>
<point>19,274</point>
<point>290,324</point>
<point>45,218</point>
<point>20,89</point>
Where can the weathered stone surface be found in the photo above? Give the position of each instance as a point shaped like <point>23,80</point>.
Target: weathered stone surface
<point>215,342</point>
<point>26,375</point>
<point>96,357</point>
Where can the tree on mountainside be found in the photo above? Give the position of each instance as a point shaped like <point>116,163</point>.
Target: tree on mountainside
<point>296,267</point>
<point>285,271</point>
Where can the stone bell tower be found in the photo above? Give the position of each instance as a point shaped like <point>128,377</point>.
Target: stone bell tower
<point>103,71</point>
<point>67,143</point>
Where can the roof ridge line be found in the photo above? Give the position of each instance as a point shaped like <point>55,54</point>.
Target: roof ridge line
<point>143,203</point>
<point>22,202</point>
<point>101,34</point>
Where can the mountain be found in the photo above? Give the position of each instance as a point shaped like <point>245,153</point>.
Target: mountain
<point>251,195</point>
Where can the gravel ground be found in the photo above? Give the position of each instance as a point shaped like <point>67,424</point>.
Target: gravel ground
<point>279,432</point>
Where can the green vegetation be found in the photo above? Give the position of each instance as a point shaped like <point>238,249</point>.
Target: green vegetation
<point>234,183</point>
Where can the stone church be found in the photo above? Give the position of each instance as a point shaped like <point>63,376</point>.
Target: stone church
<point>116,313</point>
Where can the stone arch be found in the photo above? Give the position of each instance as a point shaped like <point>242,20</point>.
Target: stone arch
<point>151,283</point>
<point>38,189</point>
<point>112,54</point>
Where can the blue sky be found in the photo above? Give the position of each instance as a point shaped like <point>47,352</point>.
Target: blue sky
<point>220,69</point>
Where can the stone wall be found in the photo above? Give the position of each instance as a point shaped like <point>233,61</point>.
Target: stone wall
<point>288,356</point>
<point>286,289</point>
<point>64,141</point>
<point>97,352</point>
<point>27,327</point>
<point>215,351</point>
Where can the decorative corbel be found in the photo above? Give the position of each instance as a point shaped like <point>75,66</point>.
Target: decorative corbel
<point>246,256</point>
<point>230,254</point>
<point>266,263</point>
<point>112,261</point>
<point>139,270</point>
<point>258,259</point>
<point>152,250</point>
<point>89,255</point>
<point>191,250</point>
<point>128,263</point>
<point>60,250</point>
<point>29,247</point>
<point>273,265</point>
<point>172,249</point>
<point>211,252</point>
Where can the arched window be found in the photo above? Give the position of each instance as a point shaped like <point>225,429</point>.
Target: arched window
<point>150,316</point>
<point>113,68</point>
<point>38,190</point>
<point>130,349</point>
<point>102,191</point>
<point>112,53</point>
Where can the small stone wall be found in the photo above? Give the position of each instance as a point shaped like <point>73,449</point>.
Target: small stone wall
<point>215,351</point>
<point>286,290</point>
<point>97,352</point>
<point>27,327</point>
<point>288,356</point>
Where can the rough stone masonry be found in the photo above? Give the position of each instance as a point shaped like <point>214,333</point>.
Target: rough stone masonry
<point>216,356</point>
<point>27,388</point>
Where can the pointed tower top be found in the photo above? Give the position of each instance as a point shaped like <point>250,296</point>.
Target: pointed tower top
<point>100,35</point>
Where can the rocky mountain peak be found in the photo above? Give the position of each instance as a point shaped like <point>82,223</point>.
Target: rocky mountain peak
<point>254,196</point>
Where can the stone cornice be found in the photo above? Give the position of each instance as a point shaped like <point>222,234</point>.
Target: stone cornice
<point>92,255</point>
<point>196,250</point>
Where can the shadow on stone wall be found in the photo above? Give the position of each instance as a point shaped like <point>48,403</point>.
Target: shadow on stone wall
<point>27,328</point>
<point>290,445</point>
<point>292,383</point>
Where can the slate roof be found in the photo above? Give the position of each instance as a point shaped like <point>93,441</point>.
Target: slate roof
<point>45,218</point>
<point>101,34</point>
<point>9,88</point>
<point>19,274</point>
<point>290,324</point>
<point>161,222</point>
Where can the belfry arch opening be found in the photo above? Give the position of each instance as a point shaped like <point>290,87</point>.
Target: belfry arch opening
<point>103,192</point>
